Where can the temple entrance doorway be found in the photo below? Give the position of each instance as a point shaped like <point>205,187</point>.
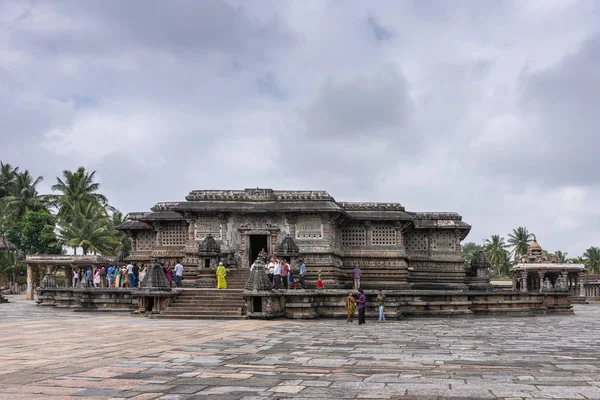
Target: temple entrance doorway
<point>257,243</point>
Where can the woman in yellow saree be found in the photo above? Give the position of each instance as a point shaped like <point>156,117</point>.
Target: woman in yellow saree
<point>221,274</point>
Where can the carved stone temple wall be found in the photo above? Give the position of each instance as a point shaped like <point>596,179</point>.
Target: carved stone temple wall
<point>394,248</point>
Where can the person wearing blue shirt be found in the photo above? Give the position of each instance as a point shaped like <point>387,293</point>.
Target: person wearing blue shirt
<point>111,276</point>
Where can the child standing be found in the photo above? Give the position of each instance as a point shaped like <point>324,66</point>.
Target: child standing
<point>381,305</point>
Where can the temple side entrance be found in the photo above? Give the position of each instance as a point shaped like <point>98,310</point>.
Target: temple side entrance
<point>257,243</point>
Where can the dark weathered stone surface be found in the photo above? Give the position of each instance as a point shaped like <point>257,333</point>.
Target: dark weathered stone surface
<point>479,358</point>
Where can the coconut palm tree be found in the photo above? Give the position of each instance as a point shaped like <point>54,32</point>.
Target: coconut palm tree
<point>25,196</point>
<point>8,177</point>
<point>519,240</point>
<point>495,250</point>
<point>591,259</point>
<point>89,228</point>
<point>77,187</point>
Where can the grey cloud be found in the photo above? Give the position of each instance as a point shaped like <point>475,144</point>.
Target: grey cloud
<point>366,105</point>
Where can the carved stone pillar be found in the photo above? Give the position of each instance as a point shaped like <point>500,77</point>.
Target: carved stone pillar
<point>581,285</point>
<point>243,249</point>
<point>541,275</point>
<point>69,276</point>
<point>292,220</point>
<point>29,294</point>
<point>158,236</point>
<point>224,219</point>
<point>514,281</point>
<point>524,284</point>
<point>369,233</point>
<point>274,243</point>
<point>191,230</point>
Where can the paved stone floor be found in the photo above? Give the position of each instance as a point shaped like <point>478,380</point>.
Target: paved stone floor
<point>57,354</point>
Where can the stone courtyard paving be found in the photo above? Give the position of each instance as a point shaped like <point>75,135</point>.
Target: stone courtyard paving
<point>58,354</point>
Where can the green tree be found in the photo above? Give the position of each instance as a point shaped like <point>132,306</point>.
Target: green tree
<point>562,257</point>
<point>25,196</point>
<point>117,219</point>
<point>591,259</point>
<point>76,187</point>
<point>577,260</point>
<point>34,234</point>
<point>89,228</point>
<point>8,177</point>
<point>519,240</point>
<point>495,250</point>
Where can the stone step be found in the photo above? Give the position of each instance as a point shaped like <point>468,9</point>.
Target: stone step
<point>203,307</point>
<point>207,312</point>
<point>186,316</point>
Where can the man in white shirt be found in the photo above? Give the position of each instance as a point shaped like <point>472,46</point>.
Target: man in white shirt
<point>270,267</point>
<point>277,275</point>
<point>178,273</point>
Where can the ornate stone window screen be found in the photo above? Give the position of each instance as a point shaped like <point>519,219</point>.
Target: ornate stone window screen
<point>146,240</point>
<point>416,241</point>
<point>174,234</point>
<point>354,236</point>
<point>384,235</point>
<point>444,240</point>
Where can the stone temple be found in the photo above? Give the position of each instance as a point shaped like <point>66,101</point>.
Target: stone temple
<point>393,247</point>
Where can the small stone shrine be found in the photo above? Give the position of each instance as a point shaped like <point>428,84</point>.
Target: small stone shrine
<point>262,302</point>
<point>155,292</point>
<point>539,272</point>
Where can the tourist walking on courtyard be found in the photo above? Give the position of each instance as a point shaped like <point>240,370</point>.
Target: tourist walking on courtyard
<point>277,275</point>
<point>285,271</point>
<point>320,280</point>
<point>351,307</point>
<point>301,273</point>
<point>75,277</point>
<point>381,305</point>
<point>356,277</point>
<point>362,304</point>
<point>178,274</point>
<point>221,276</point>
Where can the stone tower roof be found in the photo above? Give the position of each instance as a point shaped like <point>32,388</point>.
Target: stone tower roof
<point>209,245</point>
<point>288,247</point>
<point>258,280</point>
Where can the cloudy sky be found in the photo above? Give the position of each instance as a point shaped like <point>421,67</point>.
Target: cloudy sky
<point>486,108</point>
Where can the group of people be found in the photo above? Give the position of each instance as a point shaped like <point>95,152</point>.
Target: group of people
<point>281,273</point>
<point>129,276</point>
<point>353,302</point>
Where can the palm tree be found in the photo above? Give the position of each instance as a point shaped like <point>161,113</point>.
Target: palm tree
<point>495,250</point>
<point>78,186</point>
<point>8,177</point>
<point>25,196</point>
<point>577,260</point>
<point>519,240</point>
<point>89,228</point>
<point>562,257</point>
<point>117,219</point>
<point>591,259</point>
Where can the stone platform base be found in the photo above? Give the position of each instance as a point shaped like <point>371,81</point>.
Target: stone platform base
<point>89,299</point>
<point>307,304</point>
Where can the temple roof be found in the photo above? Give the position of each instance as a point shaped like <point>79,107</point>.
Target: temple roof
<point>287,246</point>
<point>67,260</point>
<point>133,225</point>
<point>162,216</point>
<point>255,207</point>
<point>209,245</point>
